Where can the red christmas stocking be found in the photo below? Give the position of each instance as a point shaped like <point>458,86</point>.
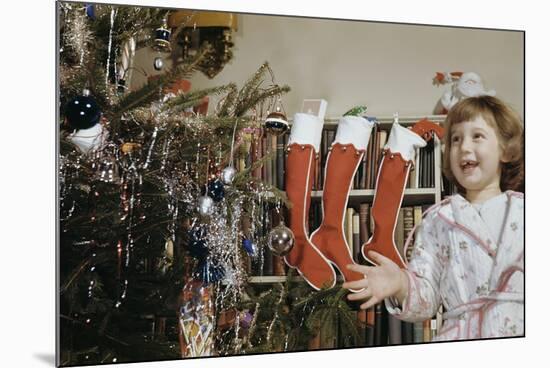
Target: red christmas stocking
<point>303,144</point>
<point>399,153</point>
<point>345,156</point>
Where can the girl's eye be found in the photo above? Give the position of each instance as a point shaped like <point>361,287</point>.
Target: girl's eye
<point>478,136</point>
<point>455,139</point>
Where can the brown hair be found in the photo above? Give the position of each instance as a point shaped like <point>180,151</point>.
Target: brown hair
<point>509,129</point>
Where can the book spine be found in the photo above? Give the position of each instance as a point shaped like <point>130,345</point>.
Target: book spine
<point>399,231</point>
<point>408,223</point>
<point>407,332</point>
<point>381,325</point>
<point>273,180</point>
<point>433,328</point>
<point>280,163</point>
<point>362,323</point>
<point>356,238</point>
<point>348,227</point>
<point>264,153</point>
<point>371,321</point>
<point>394,330</point>
<point>364,222</point>
<point>268,163</point>
<point>418,332</point>
<point>369,164</point>
<point>427,327</point>
<point>363,166</point>
<point>323,157</point>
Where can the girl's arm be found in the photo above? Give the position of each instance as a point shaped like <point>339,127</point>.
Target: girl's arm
<point>430,256</point>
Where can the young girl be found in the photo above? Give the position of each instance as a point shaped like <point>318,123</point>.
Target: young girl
<point>468,252</point>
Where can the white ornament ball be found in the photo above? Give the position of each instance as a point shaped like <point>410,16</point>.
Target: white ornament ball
<point>158,63</point>
<point>228,174</point>
<point>205,206</point>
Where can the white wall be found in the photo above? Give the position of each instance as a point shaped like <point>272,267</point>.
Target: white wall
<point>388,67</point>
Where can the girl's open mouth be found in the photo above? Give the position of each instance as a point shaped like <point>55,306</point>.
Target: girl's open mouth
<point>468,166</point>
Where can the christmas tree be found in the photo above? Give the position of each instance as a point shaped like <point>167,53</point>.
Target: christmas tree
<point>153,195</point>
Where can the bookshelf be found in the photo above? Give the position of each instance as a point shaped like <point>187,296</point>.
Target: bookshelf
<point>412,196</point>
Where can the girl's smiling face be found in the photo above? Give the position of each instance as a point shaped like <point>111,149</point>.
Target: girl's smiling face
<point>475,157</point>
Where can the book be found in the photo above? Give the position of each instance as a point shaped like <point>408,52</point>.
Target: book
<point>273,174</point>
<point>363,222</point>
<point>411,180</point>
<point>394,330</point>
<point>431,164</point>
<point>399,232</point>
<point>263,147</point>
<point>280,174</point>
<point>268,163</point>
<point>356,248</point>
<point>368,164</point>
<point>427,328</point>
<point>417,219</point>
<point>348,228</point>
<point>371,320</point>
<point>376,157</point>
<point>408,225</point>
<point>407,332</point>
<point>362,324</point>
<point>418,332</point>
<point>381,325</point>
<point>363,167</point>
<point>417,169</point>
<point>433,327</point>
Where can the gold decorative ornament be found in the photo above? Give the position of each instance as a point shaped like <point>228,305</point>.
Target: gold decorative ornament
<point>206,29</point>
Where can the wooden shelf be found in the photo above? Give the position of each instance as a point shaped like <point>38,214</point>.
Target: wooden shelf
<point>412,197</point>
<point>277,279</point>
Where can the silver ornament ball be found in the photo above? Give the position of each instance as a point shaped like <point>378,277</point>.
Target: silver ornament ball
<point>228,174</point>
<point>158,63</point>
<point>205,206</point>
<point>281,240</point>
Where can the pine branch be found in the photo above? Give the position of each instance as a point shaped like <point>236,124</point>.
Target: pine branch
<point>191,99</point>
<point>229,101</point>
<point>150,91</point>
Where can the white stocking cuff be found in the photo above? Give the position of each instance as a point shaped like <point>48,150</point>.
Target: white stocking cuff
<point>404,141</point>
<point>306,129</point>
<point>355,130</point>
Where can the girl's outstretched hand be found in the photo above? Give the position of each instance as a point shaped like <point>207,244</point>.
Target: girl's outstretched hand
<point>382,281</point>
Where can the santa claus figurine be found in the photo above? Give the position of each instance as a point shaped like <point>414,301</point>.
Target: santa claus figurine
<point>464,85</point>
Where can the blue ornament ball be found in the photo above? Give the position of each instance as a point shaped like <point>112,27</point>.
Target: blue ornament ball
<point>82,112</point>
<point>249,247</point>
<point>216,190</point>
<point>197,242</point>
<point>208,272</point>
<point>90,11</point>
